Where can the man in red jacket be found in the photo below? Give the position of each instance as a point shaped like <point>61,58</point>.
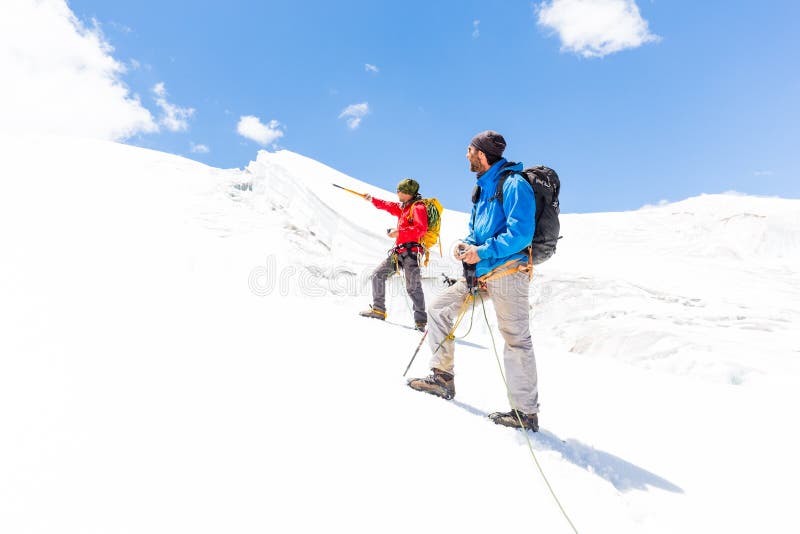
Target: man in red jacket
<point>412,223</point>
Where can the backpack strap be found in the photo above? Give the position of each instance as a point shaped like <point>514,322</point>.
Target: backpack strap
<point>411,209</point>
<point>413,202</point>
<point>498,194</point>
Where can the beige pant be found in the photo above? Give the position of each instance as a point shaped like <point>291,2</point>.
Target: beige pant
<point>509,294</point>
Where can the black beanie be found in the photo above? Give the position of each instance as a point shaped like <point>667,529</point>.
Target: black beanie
<point>490,143</point>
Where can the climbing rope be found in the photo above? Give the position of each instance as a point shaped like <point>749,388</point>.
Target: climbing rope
<point>519,420</point>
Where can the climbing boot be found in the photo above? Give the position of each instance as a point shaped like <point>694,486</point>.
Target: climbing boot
<point>439,383</point>
<point>374,313</point>
<point>530,421</point>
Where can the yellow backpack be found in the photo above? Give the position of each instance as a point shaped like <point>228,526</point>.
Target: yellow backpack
<point>434,209</point>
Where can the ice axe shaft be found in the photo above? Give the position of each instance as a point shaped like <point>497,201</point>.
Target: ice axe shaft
<point>362,195</point>
<point>416,351</point>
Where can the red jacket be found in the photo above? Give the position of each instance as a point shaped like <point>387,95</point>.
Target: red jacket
<point>408,231</point>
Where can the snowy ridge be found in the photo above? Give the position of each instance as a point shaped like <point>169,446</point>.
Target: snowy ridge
<point>334,234</point>
<point>722,226</point>
<point>181,352</point>
<point>681,287</point>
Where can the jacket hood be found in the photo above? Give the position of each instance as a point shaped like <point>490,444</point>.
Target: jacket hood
<point>500,167</point>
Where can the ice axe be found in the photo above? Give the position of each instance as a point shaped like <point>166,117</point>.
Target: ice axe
<point>362,195</point>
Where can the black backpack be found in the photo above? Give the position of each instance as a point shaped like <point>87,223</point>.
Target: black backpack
<point>546,186</point>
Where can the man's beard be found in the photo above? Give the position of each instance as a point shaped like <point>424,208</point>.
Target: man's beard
<point>474,164</point>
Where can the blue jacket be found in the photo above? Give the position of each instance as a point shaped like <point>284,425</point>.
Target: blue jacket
<point>502,232</point>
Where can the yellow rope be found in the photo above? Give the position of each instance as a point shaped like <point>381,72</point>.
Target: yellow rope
<point>451,335</point>
<point>461,313</point>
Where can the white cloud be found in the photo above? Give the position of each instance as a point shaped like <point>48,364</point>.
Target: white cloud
<point>174,118</point>
<point>595,28</point>
<point>121,27</point>
<point>354,113</point>
<point>476,32</point>
<point>252,128</point>
<point>371,68</point>
<point>199,149</point>
<point>160,89</point>
<point>763,173</point>
<point>60,77</point>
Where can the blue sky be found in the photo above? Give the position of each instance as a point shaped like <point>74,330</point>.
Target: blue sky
<point>710,102</point>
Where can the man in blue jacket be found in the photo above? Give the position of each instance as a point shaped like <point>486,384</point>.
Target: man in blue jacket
<point>500,232</point>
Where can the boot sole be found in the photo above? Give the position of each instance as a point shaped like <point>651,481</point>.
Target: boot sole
<point>434,393</point>
<point>514,424</point>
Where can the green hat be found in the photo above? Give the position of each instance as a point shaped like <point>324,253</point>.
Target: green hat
<point>408,186</point>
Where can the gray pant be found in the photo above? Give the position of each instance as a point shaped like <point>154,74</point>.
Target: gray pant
<point>409,263</point>
<point>511,304</point>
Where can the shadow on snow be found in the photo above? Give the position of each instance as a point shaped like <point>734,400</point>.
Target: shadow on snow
<point>623,475</point>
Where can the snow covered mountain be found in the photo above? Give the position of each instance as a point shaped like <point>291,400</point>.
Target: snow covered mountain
<point>180,351</point>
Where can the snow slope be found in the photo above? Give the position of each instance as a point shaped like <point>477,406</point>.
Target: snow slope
<point>180,352</point>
